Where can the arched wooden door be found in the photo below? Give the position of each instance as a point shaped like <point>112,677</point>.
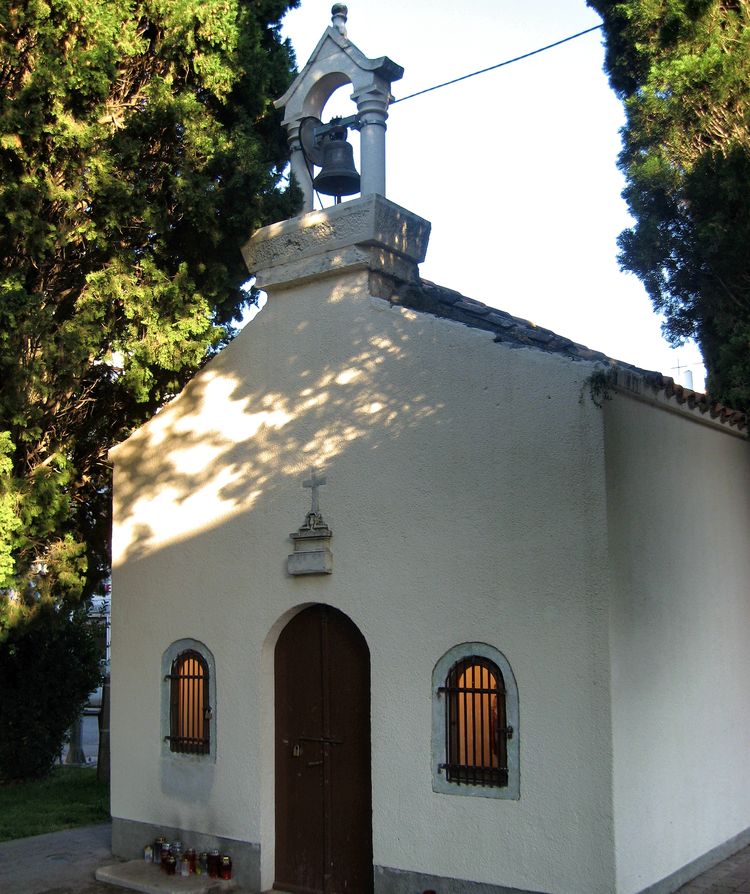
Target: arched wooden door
<point>323,786</point>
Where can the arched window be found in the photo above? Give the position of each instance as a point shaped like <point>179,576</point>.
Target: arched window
<point>475,723</point>
<point>189,709</point>
<point>189,699</point>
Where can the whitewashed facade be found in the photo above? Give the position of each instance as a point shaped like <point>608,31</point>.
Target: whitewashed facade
<point>487,483</point>
<point>475,493</point>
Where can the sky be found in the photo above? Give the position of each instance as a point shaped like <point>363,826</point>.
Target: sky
<point>515,169</point>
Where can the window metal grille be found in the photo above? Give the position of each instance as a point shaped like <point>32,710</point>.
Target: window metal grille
<point>190,713</point>
<point>476,728</point>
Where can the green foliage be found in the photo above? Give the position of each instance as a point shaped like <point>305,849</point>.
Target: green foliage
<point>67,798</point>
<point>682,69</point>
<point>138,150</point>
<point>10,521</point>
<point>49,663</point>
<point>600,386</point>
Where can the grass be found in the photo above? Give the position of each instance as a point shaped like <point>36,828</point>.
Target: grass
<point>68,797</point>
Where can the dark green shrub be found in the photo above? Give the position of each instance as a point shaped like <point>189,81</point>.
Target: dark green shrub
<point>48,666</point>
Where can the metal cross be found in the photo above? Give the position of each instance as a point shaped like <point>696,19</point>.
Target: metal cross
<point>313,482</point>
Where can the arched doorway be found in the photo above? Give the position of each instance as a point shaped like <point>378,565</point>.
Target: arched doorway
<point>323,786</point>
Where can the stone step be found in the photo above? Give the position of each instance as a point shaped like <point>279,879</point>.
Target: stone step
<point>148,878</point>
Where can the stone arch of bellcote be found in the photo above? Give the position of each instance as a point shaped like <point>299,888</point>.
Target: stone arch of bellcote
<point>334,62</point>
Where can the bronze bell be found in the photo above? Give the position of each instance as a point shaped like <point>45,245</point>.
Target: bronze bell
<point>338,176</point>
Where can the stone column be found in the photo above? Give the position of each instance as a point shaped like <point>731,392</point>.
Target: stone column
<point>372,106</point>
<point>299,167</point>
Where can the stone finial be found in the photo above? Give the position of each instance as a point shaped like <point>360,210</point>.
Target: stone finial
<point>339,14</point>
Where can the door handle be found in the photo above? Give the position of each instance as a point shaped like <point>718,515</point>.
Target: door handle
<point>315,763</point>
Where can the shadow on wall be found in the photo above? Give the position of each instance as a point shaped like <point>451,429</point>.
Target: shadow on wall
<point>229,438</point>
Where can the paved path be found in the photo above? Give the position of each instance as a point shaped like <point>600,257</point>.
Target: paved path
<point>64,863</point>
<point>732,876</point>
<point>57,863</point>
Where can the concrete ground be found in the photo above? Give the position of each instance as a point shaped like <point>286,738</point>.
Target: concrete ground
<point>57,863</point>
<point>731,876</point>
<point>65,862</point>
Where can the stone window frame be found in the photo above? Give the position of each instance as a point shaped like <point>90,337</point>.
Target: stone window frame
<point>511,791</point>
<point>173,651</point>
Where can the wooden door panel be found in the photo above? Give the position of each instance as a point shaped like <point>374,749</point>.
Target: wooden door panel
<point>299,832</point>
<point>323,788</point>
<point>350,779</point>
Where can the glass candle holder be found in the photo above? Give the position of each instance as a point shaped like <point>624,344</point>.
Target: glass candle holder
<point>191,858</point>
<point>159,844</point>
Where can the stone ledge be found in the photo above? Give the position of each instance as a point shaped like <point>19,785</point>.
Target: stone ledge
<point>370,232</point>
<point>148,878</point>
<point>130,836</point>
<point>404,881</point>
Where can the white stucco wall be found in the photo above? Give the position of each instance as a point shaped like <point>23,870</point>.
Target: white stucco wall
<point>466,493</point>
<point>679,519</point>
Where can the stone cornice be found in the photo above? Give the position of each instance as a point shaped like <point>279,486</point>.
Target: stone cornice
<point>368,233</point>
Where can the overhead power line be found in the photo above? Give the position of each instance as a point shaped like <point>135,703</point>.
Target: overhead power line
<point>499,65</point>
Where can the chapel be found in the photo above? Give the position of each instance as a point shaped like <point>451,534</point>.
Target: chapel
<point>410,595</point>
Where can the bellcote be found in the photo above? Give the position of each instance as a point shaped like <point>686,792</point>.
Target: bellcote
<point>368,233</point>
<point>336,61</point>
